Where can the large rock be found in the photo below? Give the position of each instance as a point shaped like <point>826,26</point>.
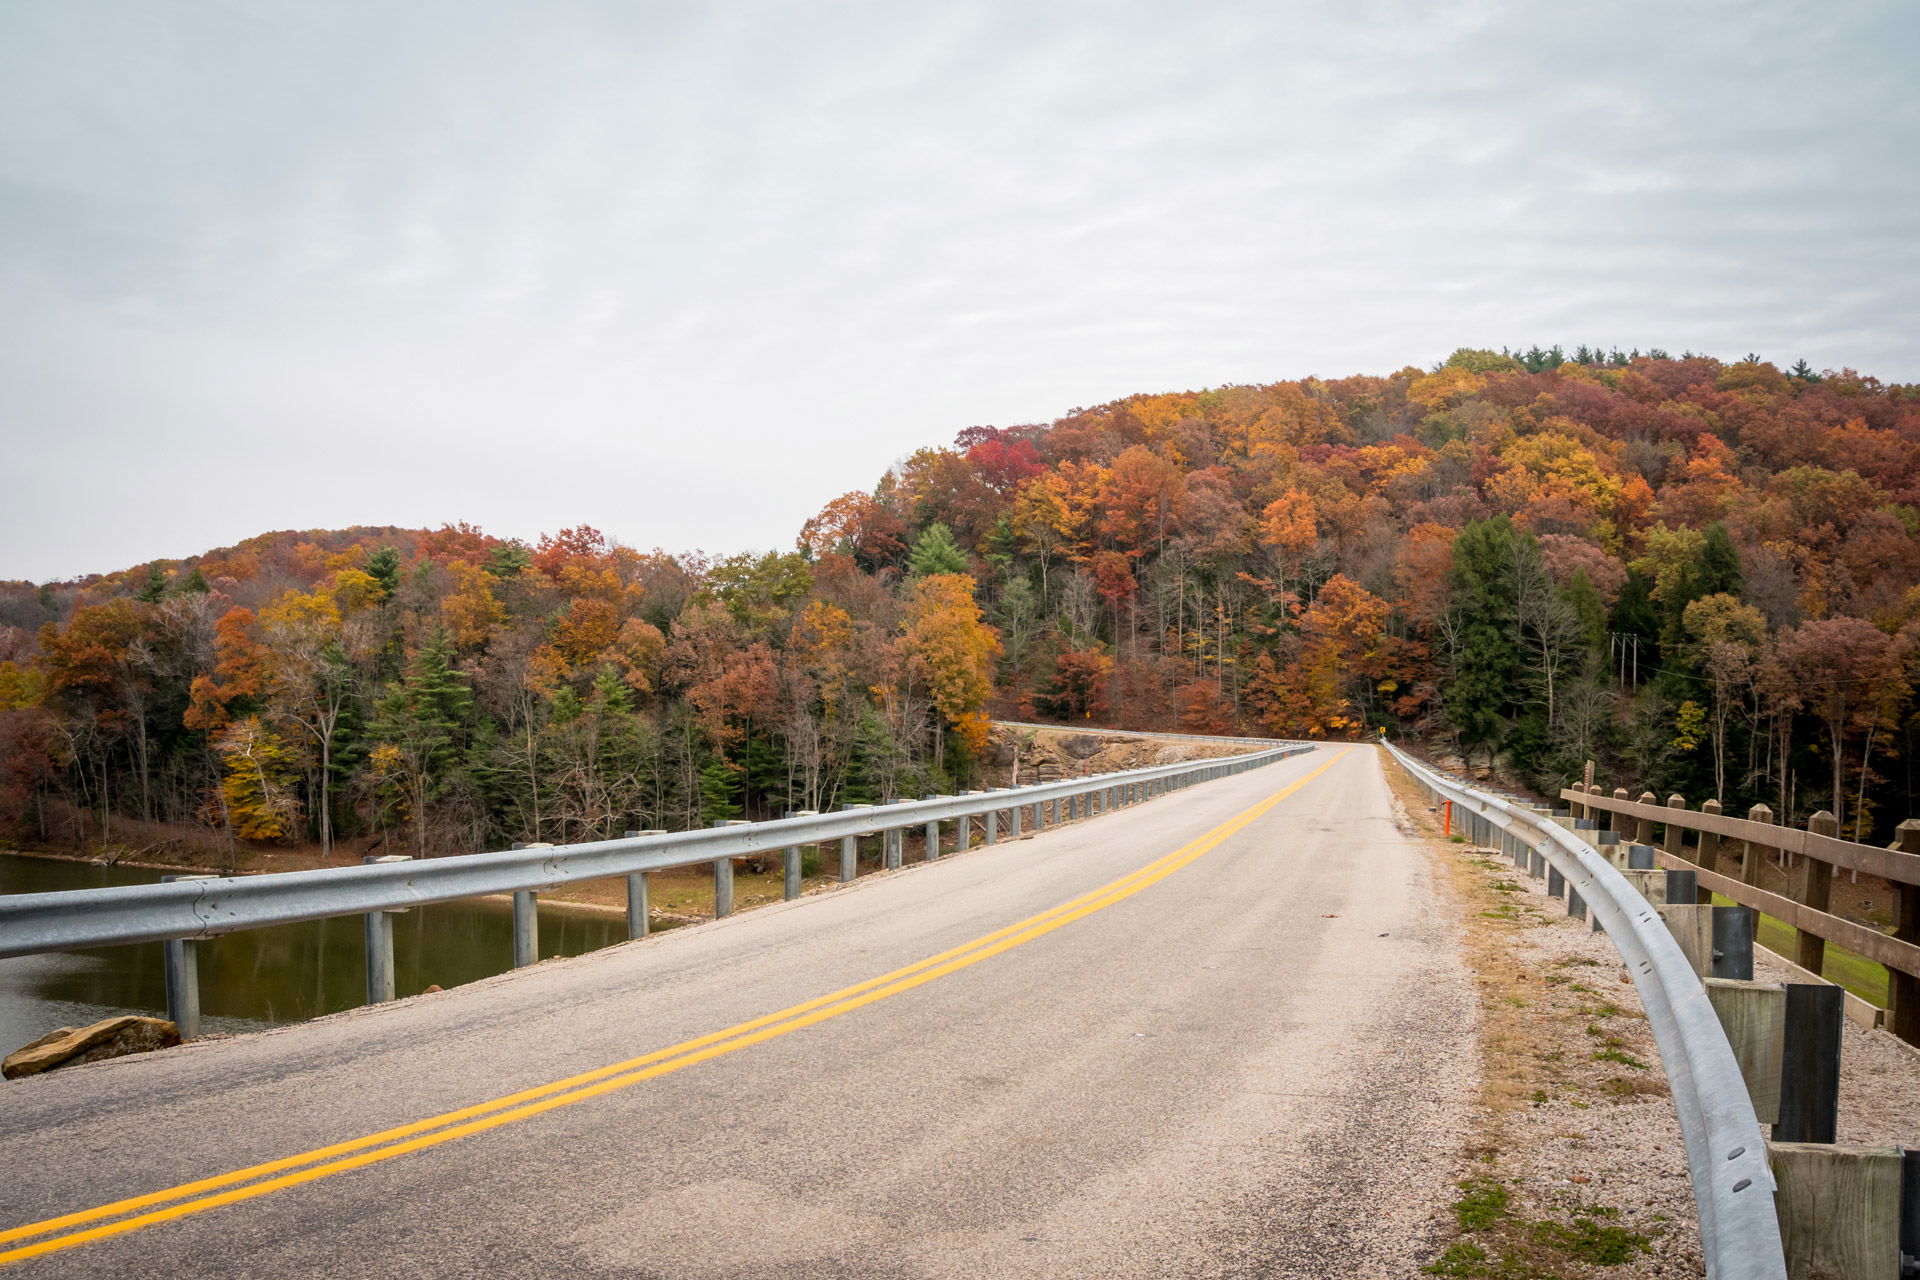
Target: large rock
<point>69,1046</point>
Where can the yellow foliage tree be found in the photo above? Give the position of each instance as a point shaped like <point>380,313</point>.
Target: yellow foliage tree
<point>470,610</point>
<point>952,650</point>
<point>259,782</point>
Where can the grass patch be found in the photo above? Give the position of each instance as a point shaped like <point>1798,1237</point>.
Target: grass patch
<point>1484,1204</point>
<point>1865,978</point>
<point>1462,1258</point>
<point>1510,1247</point>
<point>1611,1054</point>
<point>1594,1243</point>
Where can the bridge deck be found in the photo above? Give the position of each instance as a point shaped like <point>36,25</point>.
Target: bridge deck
<point>1248,1058</point>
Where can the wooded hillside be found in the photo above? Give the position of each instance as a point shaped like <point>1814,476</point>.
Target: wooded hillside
<point>1702,574</point>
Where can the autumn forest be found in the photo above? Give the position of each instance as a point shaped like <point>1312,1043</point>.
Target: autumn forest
<point>1701,574</point>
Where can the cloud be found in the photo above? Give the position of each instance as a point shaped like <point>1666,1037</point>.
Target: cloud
<point>685,272</point>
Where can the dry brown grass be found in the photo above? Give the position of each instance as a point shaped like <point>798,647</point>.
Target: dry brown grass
<point>1541,1027</point>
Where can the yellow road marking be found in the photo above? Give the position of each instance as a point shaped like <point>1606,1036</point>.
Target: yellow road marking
<point>376,1147</point>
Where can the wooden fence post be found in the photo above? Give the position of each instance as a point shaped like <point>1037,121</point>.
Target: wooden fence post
<point>1903,989</point>
<point>1643,827</point>
<point>1755,854</point>
<point>1815,890</point>
<point>1615,821</point>
<point>1674,837</point>
<point>1709,853</point>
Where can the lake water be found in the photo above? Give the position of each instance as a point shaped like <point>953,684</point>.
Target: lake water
<point>262,977</point>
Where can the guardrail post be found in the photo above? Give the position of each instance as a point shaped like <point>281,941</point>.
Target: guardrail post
<point>993,826</point>
<point>1576,905</point>
<point>1810,1064</point>
<point>1910,1205</point>
<point>723,874</point>
<point>790,880</point>
<point>1692,927</point>
<point>892,840</point>
<point>850,850</point>
<point>1683,886</point>
<point>1733,942</point>
<point>526,928</point>
<point>1903,989</point>
<point>931,836</point>
<point>1816,891</point>
<point>1556,883</point>
<point>378,942</point>
<point>638,914</point>
<point>1640,857</point>
<point>1839,1209</point>
<point>1752,1016</point>
<point>1754,854</point>
<point>181,961</point>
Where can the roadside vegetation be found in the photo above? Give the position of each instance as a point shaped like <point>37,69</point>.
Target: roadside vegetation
<point>1574,1169</point>
<point>1702,574</point>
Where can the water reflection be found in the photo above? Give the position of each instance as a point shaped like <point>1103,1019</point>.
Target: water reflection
<point>262,977</point>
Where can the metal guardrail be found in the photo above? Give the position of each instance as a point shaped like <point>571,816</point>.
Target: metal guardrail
<point>207,908</point>
<point>1733,1184</point>
<point>1100,731</point>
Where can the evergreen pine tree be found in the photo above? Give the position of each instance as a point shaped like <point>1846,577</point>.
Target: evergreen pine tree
<point>1487,663</point>
<point>935,551</point>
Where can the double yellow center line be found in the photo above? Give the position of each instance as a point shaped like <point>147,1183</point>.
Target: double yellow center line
<point>122,1216</point>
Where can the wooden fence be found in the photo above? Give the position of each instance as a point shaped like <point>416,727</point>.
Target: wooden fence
<point>1729,853</point>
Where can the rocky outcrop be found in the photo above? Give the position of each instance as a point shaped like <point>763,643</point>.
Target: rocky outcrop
<point>70,1046</point>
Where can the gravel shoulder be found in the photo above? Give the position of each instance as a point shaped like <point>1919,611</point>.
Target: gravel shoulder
<point>1573,1165</point>
<point>1576,1122</point>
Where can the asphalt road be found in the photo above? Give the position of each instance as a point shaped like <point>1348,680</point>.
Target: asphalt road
<point>1251,1059</point>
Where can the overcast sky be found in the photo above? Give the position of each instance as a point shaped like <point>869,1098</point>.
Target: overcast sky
<point>685,272</point>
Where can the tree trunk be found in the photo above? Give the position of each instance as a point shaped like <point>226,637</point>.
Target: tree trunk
<point>326,796</point>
